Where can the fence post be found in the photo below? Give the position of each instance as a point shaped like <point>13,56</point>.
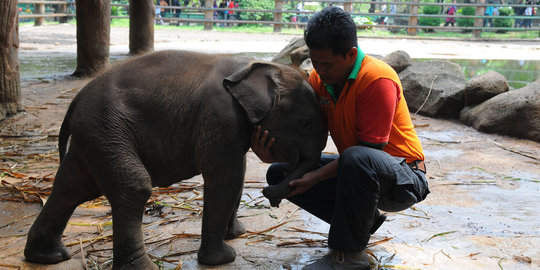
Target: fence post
<point>347,7</point>
<point>278,15</point>
<point>39,9</point>
<point>413,21</point>
<point>209,15</point>
<point>479,22</point>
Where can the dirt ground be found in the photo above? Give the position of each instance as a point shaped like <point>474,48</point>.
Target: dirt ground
<point>482,212</point>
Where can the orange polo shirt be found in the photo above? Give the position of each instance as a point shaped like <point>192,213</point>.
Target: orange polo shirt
<point>370,109</point>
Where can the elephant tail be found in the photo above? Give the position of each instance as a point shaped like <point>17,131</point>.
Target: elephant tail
<point>65,132</point>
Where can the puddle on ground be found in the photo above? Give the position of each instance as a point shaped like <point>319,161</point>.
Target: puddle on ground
<point>52,65</point>
<point>442,136</point>
<point>441,153</point>
<point>505,212</point>
<point>462,176</point>
<point>527,176</point>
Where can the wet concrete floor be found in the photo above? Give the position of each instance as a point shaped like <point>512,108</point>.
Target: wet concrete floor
<point>481,214</point>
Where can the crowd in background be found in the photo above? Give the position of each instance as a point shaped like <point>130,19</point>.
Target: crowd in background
<point>225,11</point>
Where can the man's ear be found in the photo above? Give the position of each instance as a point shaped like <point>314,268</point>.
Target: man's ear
<point>254,87</point>
<point>352,54</point>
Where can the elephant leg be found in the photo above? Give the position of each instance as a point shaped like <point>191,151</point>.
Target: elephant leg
<point>73,185</point>
<point>222,188</point>
<point>128,187</point>
<point>235,227</point>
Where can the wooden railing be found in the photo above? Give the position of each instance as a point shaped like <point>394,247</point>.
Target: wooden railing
<point>407,17</point>
<point>40,11</point>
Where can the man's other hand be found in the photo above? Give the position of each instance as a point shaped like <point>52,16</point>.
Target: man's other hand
<point>261,145</point>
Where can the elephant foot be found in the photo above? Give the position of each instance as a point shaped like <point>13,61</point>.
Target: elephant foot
<point>236,228</point>
<point>38,252</point>
<point>275,194</point>
<point>142,263</point>
<point>215,254</point>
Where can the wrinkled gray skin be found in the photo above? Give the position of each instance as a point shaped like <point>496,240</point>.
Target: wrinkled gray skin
<point>164,117</point>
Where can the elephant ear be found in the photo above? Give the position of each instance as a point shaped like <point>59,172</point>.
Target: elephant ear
<point>254,87</point>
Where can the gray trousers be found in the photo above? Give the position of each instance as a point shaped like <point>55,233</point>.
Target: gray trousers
<point>367,179</point>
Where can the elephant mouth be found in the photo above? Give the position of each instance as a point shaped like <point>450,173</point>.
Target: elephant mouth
<point>288,151</point>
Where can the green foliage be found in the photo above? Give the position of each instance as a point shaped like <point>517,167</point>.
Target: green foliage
<point>431,9</point>
<point>466,22</point>
<point>257,4</point>
<point>427,21</point>
<point>362,20</point>
<point>503,22</point>
<point>119,11</point>
<point>505,11</point>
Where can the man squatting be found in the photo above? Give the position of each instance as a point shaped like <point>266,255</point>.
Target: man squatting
<point>380,163</point>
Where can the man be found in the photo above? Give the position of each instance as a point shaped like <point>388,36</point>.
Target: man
<point>380,162</point>
<point>518,11</point>
<point>488,12</point>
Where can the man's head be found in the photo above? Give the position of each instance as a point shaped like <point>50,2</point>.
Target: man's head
<point>331,28</point>
<point>332,41</point>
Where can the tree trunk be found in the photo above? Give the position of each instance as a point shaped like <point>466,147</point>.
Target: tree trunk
<point>93,36</point>
<point>141,26</point>
<point>10,84</point>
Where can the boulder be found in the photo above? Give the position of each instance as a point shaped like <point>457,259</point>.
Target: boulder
<point>299,55</point>
<point>284,56</point>
<point>485,86</point>
<point>434,88</point>
<point>514,113</point>
<point>306,67</point>
<point>398,60</point>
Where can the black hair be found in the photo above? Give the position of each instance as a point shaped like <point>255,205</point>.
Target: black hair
<point>331,28</point>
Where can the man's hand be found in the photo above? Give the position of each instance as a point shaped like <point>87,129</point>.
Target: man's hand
<point>261,145</point>
<point>303,184</point>
<point>312,178</point>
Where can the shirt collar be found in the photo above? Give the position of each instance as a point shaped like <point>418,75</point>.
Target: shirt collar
<point>357,64</point>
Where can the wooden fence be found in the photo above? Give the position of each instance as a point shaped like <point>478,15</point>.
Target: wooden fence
<point>408,15</point>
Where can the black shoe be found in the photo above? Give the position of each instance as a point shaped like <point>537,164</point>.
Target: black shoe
<point>340,260</point>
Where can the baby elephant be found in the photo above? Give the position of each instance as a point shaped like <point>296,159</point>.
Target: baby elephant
<point>168,116</point>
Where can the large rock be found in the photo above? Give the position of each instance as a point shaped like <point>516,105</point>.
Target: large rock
<point>485,86</point>
<point>434,88</point>
<point>398,60</point>
<point>284,56</point>
<point>515,113</point>
<point>299,55</point>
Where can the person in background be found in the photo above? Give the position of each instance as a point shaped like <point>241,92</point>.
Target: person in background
<point>177,11</point>
<point>382,19</point>
<point>380,163</point>
<point>216,13</point>
<point>158,19</point>
<point>393,11</point>
<point>527,23</point>
<point>451,11</point>
<point>222,13</point>
<point>518,11</point>
<point>488,12</point>
<point>231,16</point>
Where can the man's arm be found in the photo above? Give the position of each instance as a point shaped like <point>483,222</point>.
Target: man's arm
<point>313,177</point>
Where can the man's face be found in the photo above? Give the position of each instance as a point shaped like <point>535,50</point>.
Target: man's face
<point>333,68</point>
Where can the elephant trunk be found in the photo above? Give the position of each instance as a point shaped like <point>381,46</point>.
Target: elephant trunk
<point>275,193</point>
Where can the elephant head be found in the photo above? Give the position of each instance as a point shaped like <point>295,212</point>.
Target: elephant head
<point>280,99</point>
